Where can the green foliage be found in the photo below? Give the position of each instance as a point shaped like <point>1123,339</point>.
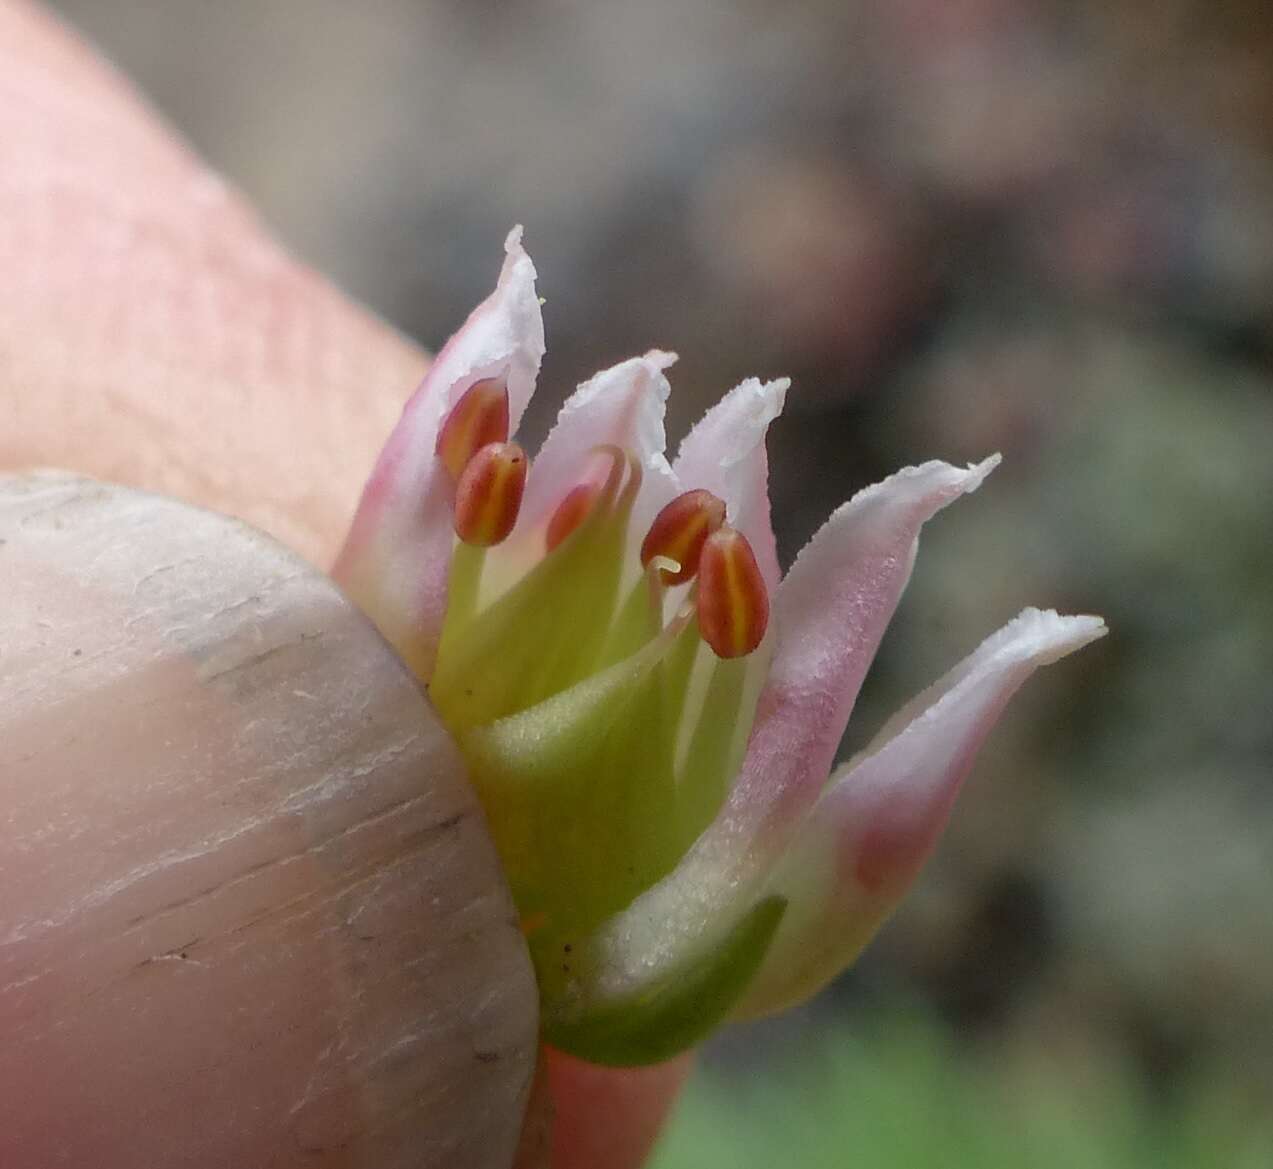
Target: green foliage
<point>906,1098</point>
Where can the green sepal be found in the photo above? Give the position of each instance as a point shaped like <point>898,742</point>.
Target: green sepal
<point>542,636</point>
<point>651,1022</point>
<point>711,763</point>
<point>634,625</point>
<point>576,791</point>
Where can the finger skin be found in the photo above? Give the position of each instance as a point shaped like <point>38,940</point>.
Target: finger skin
<point>151,333</point>
<point>615,1115</point>
<point>583,1116</point>
<point>250,913</point>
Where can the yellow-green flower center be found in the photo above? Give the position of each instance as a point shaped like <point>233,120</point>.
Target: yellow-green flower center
<point>601,731</point>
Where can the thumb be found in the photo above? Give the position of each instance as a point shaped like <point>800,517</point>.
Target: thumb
<point>249,914</point>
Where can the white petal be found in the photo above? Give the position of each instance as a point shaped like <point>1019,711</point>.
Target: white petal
<point>831,613</point>
<point>504,333</point>
<point>871,831</point>
<point>725,454</point>
<point>622,406</point>
<point>397,555</point>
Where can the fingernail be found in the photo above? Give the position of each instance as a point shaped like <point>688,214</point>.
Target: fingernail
<point>249,912</point>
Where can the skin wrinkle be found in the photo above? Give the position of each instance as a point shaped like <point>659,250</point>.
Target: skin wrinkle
<point>375,869</point>
<point>424,1034</point>
<point>400,1046</point>
<point>336,780</point>
<point>334,783</point>
<point>303,797</point>
<point>374,864</point>
<point>257,659</point>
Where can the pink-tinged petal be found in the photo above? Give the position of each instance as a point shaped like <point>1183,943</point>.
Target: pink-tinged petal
<point>396,558</point>
<point>725,454</point>
<point>504,334</point>
<point>871,831</point>
<point>622,406</point>
<point>830,614</point>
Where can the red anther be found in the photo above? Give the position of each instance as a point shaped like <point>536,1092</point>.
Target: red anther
<point>478,418</point>
<point>571,512</point>
<point>679,531</point>
<point>489,494</point>
<point>733,603</point>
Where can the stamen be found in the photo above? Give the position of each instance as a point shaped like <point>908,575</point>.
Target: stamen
<point>640,617</point>
<point>679,531</point>
<point>480,417</point>
<point>571,512</point>
<point>489,494</point>
<point>733,603</point>
<point>545,632</point>
<point>657,574</point>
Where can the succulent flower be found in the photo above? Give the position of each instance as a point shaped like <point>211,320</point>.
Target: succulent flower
<point>648,709</point>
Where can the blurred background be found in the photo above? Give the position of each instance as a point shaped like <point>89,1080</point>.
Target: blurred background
<point>961,226</point>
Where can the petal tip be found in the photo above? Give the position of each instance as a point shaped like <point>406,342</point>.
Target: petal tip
<point>660,359</point>
<point>769,398</point>
<point>518,271</point>
<point>1053,635</point>
<point>975,473</point>
<point>945,480</point>
<point>759,403</point>
<point>777,388</point>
